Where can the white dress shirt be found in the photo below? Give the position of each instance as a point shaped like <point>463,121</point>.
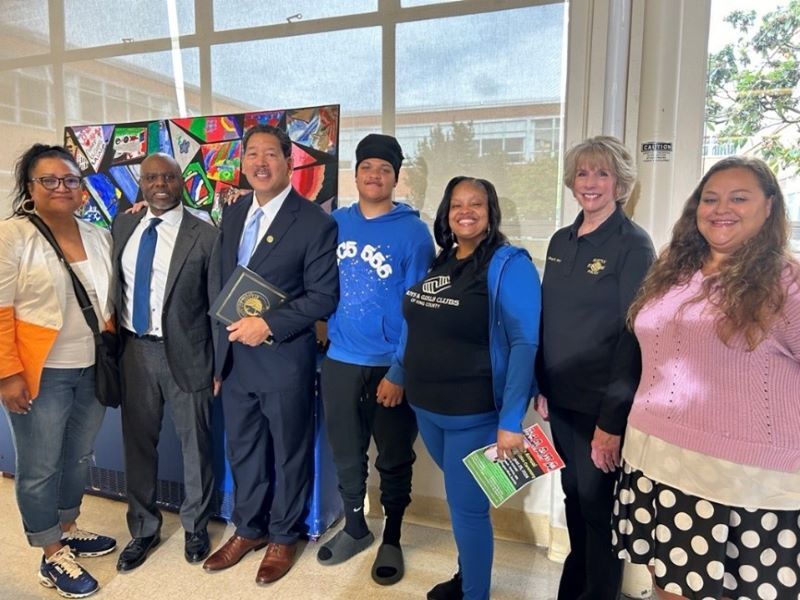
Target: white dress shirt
<point>167,232</point>
<point>270,209</point>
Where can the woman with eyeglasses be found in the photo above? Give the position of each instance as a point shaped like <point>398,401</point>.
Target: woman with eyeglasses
<point>47,360</point>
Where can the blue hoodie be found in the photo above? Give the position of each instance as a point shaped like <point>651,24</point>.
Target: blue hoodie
<point>514,311</point>
<point>379,259</point>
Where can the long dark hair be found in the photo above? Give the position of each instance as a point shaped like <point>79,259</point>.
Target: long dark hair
<point>24,167</point>
<point>748,290</point>
<point>444,235</point>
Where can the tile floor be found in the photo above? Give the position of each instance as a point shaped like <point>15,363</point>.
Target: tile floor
<point>521,572</point>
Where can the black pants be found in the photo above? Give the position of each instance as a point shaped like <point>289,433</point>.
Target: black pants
<point>591,571</point>
<point>352,417</point>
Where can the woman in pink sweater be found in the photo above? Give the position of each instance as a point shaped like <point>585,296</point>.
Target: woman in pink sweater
<point>709,494</point>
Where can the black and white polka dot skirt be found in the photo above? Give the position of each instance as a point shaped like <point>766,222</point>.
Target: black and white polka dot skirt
<point>702,549</point>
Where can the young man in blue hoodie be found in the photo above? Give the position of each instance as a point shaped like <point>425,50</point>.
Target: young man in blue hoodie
<point>384,248</point>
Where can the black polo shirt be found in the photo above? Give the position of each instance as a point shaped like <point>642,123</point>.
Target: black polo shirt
<point>588,361</point>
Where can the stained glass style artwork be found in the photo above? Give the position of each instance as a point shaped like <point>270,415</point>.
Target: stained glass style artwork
<point>130,143</point>
<point>197,189</point>
<point>72,146</point>
<point>273,118</point>
<point>209,152</point>
<point>93,139</point>
<point>90,212</point>
<point>158,138</point>
<point>223,193</point>
<point>104,195</point>
<point>222,161</point>
<point>211,129</point>
<point>127,179</point>
<point>301,157</point>
<point>314,127</point>
<point>311,181</point>
<point>184,146</point>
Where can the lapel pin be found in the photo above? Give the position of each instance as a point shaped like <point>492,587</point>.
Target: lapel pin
<point>270,239</point>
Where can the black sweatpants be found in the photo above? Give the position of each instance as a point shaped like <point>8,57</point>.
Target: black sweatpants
<point>352,417</point>
<point>591,571</point>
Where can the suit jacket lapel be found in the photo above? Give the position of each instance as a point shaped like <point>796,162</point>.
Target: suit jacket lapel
<point>123,230</point>
<point>278,228</point>
<point>187,236</point>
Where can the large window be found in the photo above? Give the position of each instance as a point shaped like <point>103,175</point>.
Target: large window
<point>132,87</point>
<point>468,87</point>
<point>475,110</point>
<point>23,30</point>
<point>100,22</point>
<point>753,96</point>
<point>234,14</point>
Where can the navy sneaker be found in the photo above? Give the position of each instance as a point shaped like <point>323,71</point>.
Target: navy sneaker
<point>85,543</point>
<point>60,571</point>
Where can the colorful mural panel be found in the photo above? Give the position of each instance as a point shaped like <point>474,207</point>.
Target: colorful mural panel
<point>209,152</point>
<point>197,189</point>
<point>273,118</point>
<point>314,127</point>
<point>211,129</point>
<point>93,139</point>
<point>130,143</point>
<point>222,161</point>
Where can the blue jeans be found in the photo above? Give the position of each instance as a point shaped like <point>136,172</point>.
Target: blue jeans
<point>448,440</point>
<point>53,443</point>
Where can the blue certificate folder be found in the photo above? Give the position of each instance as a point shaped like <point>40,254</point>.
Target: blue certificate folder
<point>246,294</point>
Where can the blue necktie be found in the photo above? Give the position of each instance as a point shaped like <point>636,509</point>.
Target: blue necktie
<point>250,237</point>
<point>141,282</point>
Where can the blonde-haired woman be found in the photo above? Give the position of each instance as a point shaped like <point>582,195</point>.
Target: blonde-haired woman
<point>588,365</point>
<point>709,492</point>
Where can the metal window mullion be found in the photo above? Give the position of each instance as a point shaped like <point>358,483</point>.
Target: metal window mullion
<point>389,10</point>
<point>57,47</point>
<point>204,28</point>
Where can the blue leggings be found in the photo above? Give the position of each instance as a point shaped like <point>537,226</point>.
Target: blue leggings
<point>448,440</point>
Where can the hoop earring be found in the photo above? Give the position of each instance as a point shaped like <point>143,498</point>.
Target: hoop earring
<point>28,206</point>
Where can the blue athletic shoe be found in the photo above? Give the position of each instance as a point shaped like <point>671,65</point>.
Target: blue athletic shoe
<point>60,571</point>
<point>85,543</point>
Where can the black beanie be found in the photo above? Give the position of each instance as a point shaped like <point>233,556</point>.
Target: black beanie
<point>377,145</point>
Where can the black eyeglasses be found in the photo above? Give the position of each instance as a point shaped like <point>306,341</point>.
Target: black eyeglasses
<point>71,182</point>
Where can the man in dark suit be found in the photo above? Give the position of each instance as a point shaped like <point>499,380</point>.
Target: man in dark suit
<point>164,280</point>
<point>268,389</point>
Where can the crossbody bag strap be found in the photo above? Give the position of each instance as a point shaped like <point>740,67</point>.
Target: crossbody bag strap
<point>87,308</point>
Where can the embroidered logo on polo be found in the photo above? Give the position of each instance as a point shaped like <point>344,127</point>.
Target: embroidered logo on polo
<point>597,265</point>
<point>434,285</point>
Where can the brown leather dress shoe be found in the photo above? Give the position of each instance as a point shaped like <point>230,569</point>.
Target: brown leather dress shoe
<point>276,563</point>
<point>232,552</point>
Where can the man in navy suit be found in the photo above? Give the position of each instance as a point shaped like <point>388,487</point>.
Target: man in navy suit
<point>268,389</point>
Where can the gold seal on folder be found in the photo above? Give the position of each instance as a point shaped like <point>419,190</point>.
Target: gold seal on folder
<point>252,304</point>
